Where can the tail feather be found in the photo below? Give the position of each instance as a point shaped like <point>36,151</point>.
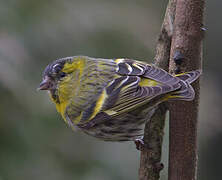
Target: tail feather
<point>186,91</point>
<point>189,76</point>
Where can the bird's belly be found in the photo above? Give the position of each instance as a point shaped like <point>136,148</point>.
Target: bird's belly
<point>127,127</point>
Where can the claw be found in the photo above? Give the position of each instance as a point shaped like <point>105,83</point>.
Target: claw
<point>139,144</point>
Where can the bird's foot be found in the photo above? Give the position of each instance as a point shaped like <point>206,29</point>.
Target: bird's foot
<point>140,145</point>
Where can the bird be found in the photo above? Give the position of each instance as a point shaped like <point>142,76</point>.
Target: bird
<point>112,99</point>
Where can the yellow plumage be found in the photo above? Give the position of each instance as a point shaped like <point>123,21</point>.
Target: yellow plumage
<point>99,104</point>
<point>111,98</point>
<point>147,82</point>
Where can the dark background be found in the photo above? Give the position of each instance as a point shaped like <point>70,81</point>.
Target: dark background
<point>35,143</point>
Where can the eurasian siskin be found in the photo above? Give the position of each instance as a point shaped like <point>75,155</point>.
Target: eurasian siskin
<point>112,98</point>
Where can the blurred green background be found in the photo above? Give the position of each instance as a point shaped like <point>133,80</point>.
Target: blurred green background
<point>35,143</point>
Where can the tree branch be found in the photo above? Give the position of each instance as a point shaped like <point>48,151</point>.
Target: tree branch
<point>150,165</point>
<point>186,55</point>
<point>164,42</point>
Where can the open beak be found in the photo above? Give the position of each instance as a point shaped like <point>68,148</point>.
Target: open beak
<point>45,84</point>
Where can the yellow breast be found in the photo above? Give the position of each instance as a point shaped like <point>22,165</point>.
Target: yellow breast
<point>65,92</point>
<point>61,108</point>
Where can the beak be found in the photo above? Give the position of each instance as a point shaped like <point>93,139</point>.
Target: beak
<point>45,84</point>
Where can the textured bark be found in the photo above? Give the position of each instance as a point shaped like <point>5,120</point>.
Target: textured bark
<point>150,165</point>
<point>186,55</point>
<point>164,41</point>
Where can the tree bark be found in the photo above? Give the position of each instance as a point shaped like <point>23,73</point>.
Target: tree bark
<point>186,55</point>
<point>150,165</point>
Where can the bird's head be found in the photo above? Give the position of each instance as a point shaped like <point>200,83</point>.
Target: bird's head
<point>58,77</point>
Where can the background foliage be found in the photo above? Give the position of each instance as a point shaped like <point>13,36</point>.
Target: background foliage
<point>34,141</point>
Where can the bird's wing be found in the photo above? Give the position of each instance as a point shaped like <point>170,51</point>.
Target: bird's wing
<point>138,68</point>
<point>133,84</point>
<point>136,84</point>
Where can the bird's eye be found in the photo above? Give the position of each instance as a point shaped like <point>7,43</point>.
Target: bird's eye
<point>62,74</point>
<point>57,68</point>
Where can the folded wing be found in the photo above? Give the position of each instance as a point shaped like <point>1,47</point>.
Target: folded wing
<point>136,84</point>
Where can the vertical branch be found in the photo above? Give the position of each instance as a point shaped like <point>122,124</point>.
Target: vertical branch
<point>150,165</point>
<point>164,42</point>
<point>186,55</point>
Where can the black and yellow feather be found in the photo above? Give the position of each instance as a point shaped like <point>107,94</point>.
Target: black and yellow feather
<point>111,98</point>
